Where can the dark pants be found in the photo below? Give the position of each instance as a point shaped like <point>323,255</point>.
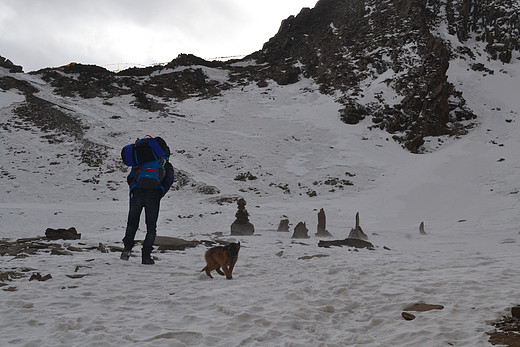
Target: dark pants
<point>149,199</point>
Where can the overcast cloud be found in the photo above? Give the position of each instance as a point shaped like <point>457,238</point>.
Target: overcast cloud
<point>50,33</point>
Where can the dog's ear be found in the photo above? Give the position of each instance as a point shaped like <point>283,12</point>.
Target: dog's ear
<point>238,245</point>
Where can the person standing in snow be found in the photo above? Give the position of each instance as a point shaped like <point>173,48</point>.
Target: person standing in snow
<point>147,196</point>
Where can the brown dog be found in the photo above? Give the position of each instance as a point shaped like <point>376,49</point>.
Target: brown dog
<point>223,257</point>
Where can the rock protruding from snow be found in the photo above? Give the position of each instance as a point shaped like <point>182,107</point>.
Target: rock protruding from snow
<point>322,225</point>
<point>284,225</point>
<point>63,234</point>
<point>300,231</point>
<point>421,229</point>
<point>349,242</point>
<point>357,232</point>
<point>4,62</point>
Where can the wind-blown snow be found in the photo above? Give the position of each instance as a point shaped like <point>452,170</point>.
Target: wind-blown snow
<point>465,190</point>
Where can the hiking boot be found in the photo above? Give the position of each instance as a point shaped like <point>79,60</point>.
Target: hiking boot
<point>125,255</point>
<point>148,260</point>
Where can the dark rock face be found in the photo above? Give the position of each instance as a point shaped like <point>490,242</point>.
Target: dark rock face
<point>344,45</point>
<point>4,62</point>
<point>90,81</point>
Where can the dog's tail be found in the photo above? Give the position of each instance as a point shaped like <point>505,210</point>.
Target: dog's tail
<point>205,267</point>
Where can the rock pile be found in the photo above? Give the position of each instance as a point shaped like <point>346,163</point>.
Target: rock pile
<point>241,225</point>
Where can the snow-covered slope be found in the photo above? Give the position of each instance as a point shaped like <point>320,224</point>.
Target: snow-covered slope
<point>301,158</point>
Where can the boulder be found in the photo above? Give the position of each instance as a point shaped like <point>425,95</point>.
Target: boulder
<point>407,316</point>
<point>349,242</point>
<point>164,243</point>
<point>63,234</point>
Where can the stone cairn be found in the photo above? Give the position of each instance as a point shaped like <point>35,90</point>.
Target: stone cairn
<point>284,225</point>
<point>421,229</point>
<point>357,232</point>
<point>300,231</point>
<point>242,226</point>
<point>322,223</point>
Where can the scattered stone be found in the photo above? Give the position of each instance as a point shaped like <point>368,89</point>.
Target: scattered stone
<point>77,276</point>
<point>78,267</point>
<point>241,226</point>
<point>166,243</point>
<point>407,316</point>
<point>279,253</point>
<point>424,307</point>
<point>357,232</point>
<point>117,249</point>
<point>24,246</point>
<point>307,257</point>
<point>300,231</point>
<point>74,249</point>
<point>284,225</point>
<point>11,275</point>
<point>322,224</point>
<point>507,241</point>
<point>10,289</point>
<point>350,242</point>
<point>64,234</point>
<point>37,276</point>
<point>57,251</point>
<point>507,332</point>
<point>102,248</point>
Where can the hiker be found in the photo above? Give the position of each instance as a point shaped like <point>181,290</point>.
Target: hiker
<point>150,178</point>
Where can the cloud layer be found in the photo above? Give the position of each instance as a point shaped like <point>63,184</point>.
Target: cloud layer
<point>50,33</point>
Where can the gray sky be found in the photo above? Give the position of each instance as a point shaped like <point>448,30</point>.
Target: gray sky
<point>112,33</point>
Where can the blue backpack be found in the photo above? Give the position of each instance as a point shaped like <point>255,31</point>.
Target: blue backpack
<point>148,158</point>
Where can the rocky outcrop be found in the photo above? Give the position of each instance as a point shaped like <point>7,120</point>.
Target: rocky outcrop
<point>352,45</point>
<point>182,78</point>
<point>385,61</point>
<point>6,63</point>
<point>63,234</point>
